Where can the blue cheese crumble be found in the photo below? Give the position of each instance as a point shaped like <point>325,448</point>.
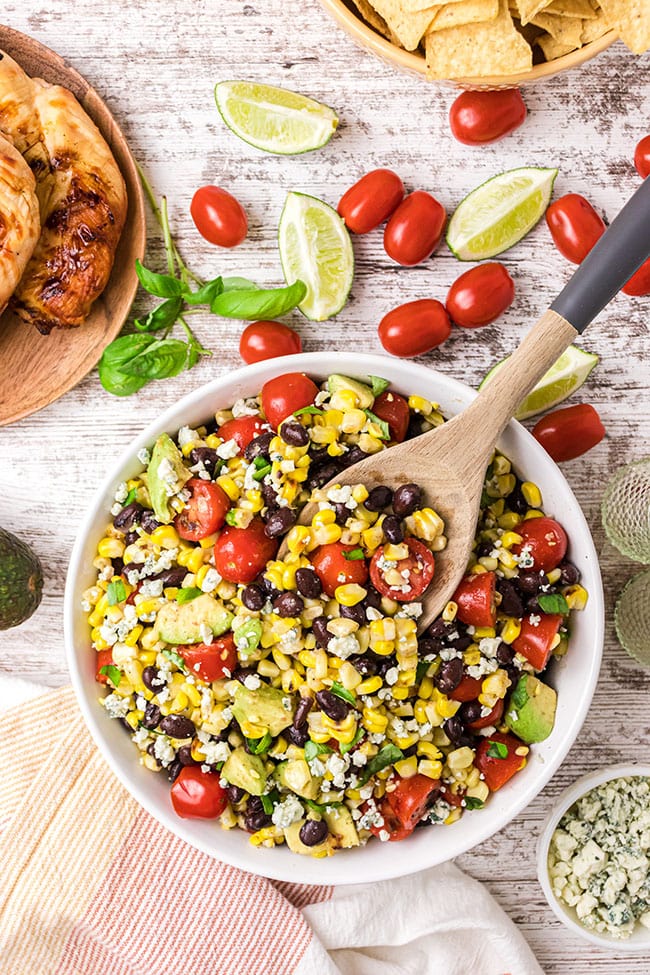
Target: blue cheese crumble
<point>599,857</point>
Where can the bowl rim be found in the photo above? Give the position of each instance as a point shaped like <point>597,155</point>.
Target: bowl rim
<point>367,37</point>
<point>337,869</point>
<point>565,800</point>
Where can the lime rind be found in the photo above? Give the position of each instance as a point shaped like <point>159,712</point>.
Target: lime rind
<point>499,213</point>
<point>625,510</point>
<point>632,618</point>
<point>275,120</point>
<point>315,247</point>
<point>564,377</point>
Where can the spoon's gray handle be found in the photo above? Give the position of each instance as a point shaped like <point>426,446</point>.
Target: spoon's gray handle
<point>621,250</point>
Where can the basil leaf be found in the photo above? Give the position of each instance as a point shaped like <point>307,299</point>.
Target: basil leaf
<point>314,748</point>
<point>269,800</point>
<point>388,755</point>
<point>497,749</point>
<point>160,285</point>
<point>187,595</point>
<point>257,746</point>
<point>378,384</point>
<point>116,592</point>
<point>553,602</point>
<point>115,357</point>
<point>421,670</point>
<point>311,410</point>
<point>343,693</point>
<point>206,294</point>
<point>354,555</point>
<point>113,673</point>
<point>471,802</point>
<point>163,358</point>
<point>161,317</point>
<point>321,807</point>
<point>383,426</point>
<point>248,636</point>
<point>238,284</point>
<point>348,746</point>
<point>175,659</point>
<point>259,303</point>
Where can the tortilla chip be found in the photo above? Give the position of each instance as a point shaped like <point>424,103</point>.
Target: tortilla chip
<point>631,19</point>
<point>416,6</point>
<point>478,50</point>
<point>371,17</point>
<point>571,8</point>
<point>465,12</point>
<point>553,48</point>
<point>409,26</point>
<point>593,29</point>
<point>529,8</point>
<point>565,30</point>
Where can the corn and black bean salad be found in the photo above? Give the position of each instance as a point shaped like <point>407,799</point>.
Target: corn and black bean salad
<point>293,697</point>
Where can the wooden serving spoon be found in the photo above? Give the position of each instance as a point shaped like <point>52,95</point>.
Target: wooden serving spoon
<point>449,462</point>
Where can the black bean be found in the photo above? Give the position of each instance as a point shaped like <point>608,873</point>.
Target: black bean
<point>505,654</point>
<point>174,770</point>
<point>483,551</point>
<point>259,446</point>
<point>356,613</point>
<point>511,602</point>
<point>470,711</point>
<point>149,522</point>
<point>267,587</point>
<point>253,598</point>
<point>366,666</point>
<point>288,604</point>
<point>516,500</point>
<point>320,631</point>
<point>269,494</point>
<point>298,736</point>
<point>532,605</point>
<point>392,527</point>
<point>208,456</point>
<point>184,755</point>
<point>513,672</point>
<point>321,475</point>
<point>280,522</point>
<point>438,629</point>
<point>460,643</point>
<point>118,566</point>
<point>414,428</point>
<point>406,499</point>
<point>529,582</point>
<point>384,664</point>
<point>171,577</point>
<point>235,794</point>
<point>373,598</point>
<point>570,574</point>
<point>241,673</point>
<point>293,433</point>
<point>151,679</point>
<point>333,706</point>
<point>152,716</point>
<point>150,750</point>
<point>379,498</point>
<point>255,818</point>
<point>308,583</point>
<point>354,456</point>
<point>177,726</point>
<point>427,647</point>
<point>455,731</point>
<point>131,537</point>
<point>449,676</point>
<point>313,832</point>
<point>341,513</point>
<point>128,517</point>
<point>305,705</point>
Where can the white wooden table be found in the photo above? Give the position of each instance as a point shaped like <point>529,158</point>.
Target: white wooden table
<point>156,62</point>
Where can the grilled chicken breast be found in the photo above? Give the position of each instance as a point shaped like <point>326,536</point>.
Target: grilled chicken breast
<point>82,199</point>
<point>19,218</point>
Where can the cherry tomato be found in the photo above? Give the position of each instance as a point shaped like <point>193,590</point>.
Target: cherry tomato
<point>415,228</point>
<point>545,542</point>
<point>492,718</point>
<point>393,409</point>
<point>284,395</point>
<point>569,433</point>
<point>371,200</point>
<point>218,216</point>
<point>639,283</point>
<point>480,295</point>
<point>535,640</point>
<point>198,795</point>
<point>333,569</point>
<point>642,157</point>
<point>404,807</point>
<point>242,430</point>
<point>496,770</point>
<point>478,117</point>
<point>103,658</point>
<point>416,569</point>
<point>211,661</point>
<point>475,598</point>
<point>414,328</point>
<point>468,690</point>
<point>240,554</point>
<point>266,340</point>
<point>575,226</point>
<point>204,513</point>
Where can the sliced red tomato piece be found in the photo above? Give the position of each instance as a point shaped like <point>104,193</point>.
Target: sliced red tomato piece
<point>198,795</point>
<point>242,430</point>
<point>535,641</point>
<point>240,554</point>
<point>104,658</point>
<point>492,718</point>
<point>544,540</point>
<point>468,690</point>
<point>394,410</point>
<point>475,598</point>
<point>496,767</point>
<point>416,569</point>
<point>204,513</point>
<point>410,798</point>
<point>285,394</point>
<point>334,569</point>
<point>210,661</point>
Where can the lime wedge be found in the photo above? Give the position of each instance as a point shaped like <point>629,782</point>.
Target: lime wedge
<point>632,618</point>
<point>625,510</point>
<point>315,247</point>
<point>497,214</point>
<point>563,378</point>
<point>274,119</point>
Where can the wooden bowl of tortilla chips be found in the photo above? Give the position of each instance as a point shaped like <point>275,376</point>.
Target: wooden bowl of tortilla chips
<point>484,44</point>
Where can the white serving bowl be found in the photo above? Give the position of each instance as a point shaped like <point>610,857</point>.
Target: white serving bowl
<point>575,676</point>
<point>639,940</point>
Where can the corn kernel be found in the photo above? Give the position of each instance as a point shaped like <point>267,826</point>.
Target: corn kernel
<point>501,465</point>
<point>349,676</point>
<point>369,686</point>
<point>111,548</point>
<point>349,594</point>
<point>510,631</point>
<point>324,517</point>
<point>227,484</point>
<point>433,770</point>
<point>420,405</point>
<point>506,483</point>
<point>533,513</point>
<point>166,536</point>
<point>429,750</point>
<point>576,596</point>
<point>510,538</point>
<point>532,494</point>
<point>509,520</point>
<point>340,626</point>
<point>426,687</point>
<point>374,721</point>
<point>482,632</point>
<point>478,791</point>
<point>460,758</point>
<point>396,552</point>
<point>407,767</point>
<point>325,535</point>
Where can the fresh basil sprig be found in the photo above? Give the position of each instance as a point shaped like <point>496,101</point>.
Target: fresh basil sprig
<point>263,303</point>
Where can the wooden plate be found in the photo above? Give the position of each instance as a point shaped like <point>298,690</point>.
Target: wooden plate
<point>36,369</point>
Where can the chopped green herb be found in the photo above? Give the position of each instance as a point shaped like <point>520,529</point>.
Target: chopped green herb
<point>130,498</point>
<point>116,592</point>
<point>314,748</point>
<point>553,602</point>
<point>388,755</point>
<point>231,517</point>
<point>248,636</point>
<point>497,749</point>
<point>343,693</point>
<point>473,803</point>
<point>113,673</point>
<point>421,670</point>
<point>259,462</point>
<point>354,555</point>
<point>257,746</point>
<point>269,800</point>
<point>348,746</point>
<point>383,426</point>
<point>310,410</point>
<point>261,472</point>
<point>187,595</point>
<point>378,384</point>
<point>175,659</point>
<point>320,807</point>
<point>486,500</point>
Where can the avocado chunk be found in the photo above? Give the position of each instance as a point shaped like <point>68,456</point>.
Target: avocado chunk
<point>336,383</point>
<point>295,775</point>
<point>296,845</point>
<point>531,713</point>
<point>246,771</point>
<point>178,623</point>
<point>21,581</point>
<point>166,476</point>
<point>261,710</point>
<point>341,826</point>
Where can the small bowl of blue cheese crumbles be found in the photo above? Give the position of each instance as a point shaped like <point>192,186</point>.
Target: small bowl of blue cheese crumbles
<point>594,858</point>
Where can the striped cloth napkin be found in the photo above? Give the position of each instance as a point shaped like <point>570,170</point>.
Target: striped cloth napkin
<point>92,885</point>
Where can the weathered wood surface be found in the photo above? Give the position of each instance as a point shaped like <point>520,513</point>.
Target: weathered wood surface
<point>155,64</point>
